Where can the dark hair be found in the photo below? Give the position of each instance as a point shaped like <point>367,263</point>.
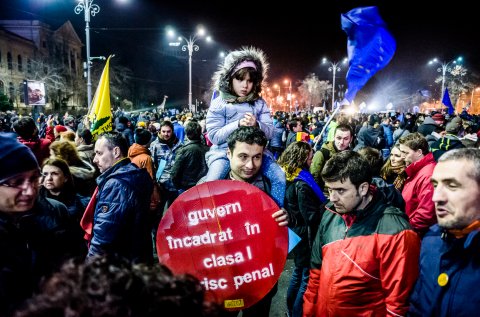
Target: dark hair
<point>115,139</point>
<point>374,158</point>
<point>255,77</point>
<point>86,135</point>
<point>69,187</point>
<point>166,123</point>
<point>123,120</point>
<point>415,141</point>
<point>193,130</point>
<point>107,286</point>
<point>249,135</point>
<point>345,128</point>
<point>347,165</point>
<point>295,156</point>
<point>25,127</point>
<point>292,124</point>
<point>142,136</point>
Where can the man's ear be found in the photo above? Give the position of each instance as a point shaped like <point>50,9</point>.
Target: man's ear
<point>364,189</point>
<point>419,152</point>
<point>116,152</point>
<point>229,154</point>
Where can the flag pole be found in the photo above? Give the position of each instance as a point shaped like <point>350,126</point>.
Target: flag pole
<point>329,120</point>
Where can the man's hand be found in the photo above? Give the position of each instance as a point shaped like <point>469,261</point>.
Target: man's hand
<point>281,217</point>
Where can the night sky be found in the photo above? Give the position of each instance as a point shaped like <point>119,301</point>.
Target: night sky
<point>294,37</point>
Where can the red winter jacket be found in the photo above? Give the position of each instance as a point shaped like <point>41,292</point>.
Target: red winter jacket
<point>40,147</point>
<point>364,263</point>
<point>418,192</point>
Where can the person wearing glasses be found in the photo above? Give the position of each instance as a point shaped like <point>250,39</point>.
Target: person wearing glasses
<point>34,239</point>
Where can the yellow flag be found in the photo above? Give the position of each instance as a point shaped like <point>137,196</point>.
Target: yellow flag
<point>100,114</point>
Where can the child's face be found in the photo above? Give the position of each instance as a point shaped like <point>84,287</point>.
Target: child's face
<point>242,87</point>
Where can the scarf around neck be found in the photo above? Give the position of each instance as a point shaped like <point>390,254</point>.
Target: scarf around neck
<point>305,176</point>
<point>235,99</point>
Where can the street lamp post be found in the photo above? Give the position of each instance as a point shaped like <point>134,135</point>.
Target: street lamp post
<point>191,47</point>
<point>471,98</point>
<point>289,96</point>
<point>89,8</point>
<point>334,68</point>
<point>444,67</point>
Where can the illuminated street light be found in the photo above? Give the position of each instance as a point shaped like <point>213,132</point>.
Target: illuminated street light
<point>471,98</point>
<point>191,47</point>
<point>89,8</point>
<point>444,67</point>
<point>289,96</point>
<point>334,68</point>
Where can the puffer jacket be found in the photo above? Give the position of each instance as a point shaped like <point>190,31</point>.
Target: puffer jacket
<point>121,218</point>
<point>40,146</point>
<point>141,156</point>
<point>459,259</point>
<point>161,151</point>
<point>418,192</point>
<point>276,140</point>
<point>190,165</point>
<point>226,110</point>
<point>223,118</point>
<point>363,263</point>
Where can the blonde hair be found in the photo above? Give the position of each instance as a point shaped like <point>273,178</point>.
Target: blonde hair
<point>67,151</point>
<point>67,136</point>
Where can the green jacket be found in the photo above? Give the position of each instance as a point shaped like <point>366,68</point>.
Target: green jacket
<point>319,161</point>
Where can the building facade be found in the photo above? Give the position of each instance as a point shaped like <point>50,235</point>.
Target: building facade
<point>31,51</point>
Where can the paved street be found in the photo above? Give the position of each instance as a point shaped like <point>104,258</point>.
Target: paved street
<point>279,306</point>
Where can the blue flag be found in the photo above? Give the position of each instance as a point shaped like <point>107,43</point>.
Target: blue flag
<point>447,102</point>
<point>370,46</point>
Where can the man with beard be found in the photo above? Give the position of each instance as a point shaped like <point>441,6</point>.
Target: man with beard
<point>342,140</point>
<point>163,150</point>
<point>449,258</point>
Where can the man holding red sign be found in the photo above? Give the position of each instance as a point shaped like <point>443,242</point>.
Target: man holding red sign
<point>245,153</point>
<point>230,234</point>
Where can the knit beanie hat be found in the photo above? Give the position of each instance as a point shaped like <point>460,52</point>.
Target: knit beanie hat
<point>454,125</point>
<point>15,158</point>
<point>60,128</point>
<point>438,117</point>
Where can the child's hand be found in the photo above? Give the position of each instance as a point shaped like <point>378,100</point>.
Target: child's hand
<point>248,120</point>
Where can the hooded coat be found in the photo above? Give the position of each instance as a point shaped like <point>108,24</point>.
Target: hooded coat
<point>226,109</point>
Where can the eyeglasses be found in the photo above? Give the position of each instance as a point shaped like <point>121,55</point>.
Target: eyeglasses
<point>22,182</point>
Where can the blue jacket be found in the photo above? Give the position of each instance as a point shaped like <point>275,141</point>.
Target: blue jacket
<point>276,140</point>
<point>223,118</point>
<point>121,220</point>
<point>460,260</point>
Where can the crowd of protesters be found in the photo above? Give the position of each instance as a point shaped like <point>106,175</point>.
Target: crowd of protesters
<point>400,151</point>
<point>386,205</point>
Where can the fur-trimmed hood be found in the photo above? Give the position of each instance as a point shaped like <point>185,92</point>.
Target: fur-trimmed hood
<point>221,77</point>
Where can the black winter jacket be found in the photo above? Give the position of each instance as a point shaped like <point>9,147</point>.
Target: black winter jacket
<point>190,165</point>
<point>304,206</point>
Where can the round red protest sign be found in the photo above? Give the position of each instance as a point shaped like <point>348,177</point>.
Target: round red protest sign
<point>223,233</point>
